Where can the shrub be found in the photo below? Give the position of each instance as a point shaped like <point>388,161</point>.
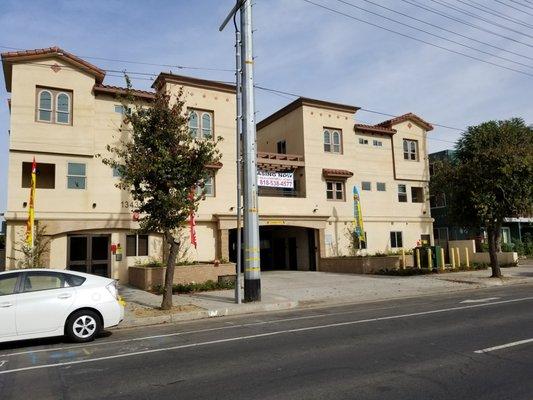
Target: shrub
<point>198,287</point>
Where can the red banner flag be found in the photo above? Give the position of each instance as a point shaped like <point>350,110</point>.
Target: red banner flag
<point>192,222</point>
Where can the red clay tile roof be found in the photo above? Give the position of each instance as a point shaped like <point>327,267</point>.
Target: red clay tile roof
<point>374,129</point>
<point>117,90</point>
<point>10,57</point>
<point>336,173</point>
<point>406,117</point>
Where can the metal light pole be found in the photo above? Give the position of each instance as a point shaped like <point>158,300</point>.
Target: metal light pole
<point>238,120</point>
<point>252,271</point>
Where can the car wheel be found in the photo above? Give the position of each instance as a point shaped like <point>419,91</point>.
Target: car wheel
<point>83,326</point>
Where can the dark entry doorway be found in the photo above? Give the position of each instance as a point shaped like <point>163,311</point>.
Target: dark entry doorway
<point>89,254</point>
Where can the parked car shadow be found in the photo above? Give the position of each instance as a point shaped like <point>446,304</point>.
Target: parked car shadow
<point>45,342</point>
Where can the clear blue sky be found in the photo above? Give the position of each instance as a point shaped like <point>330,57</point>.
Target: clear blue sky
<point>300,48</point>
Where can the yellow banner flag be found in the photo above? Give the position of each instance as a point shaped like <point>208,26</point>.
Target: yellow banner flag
<point>30,225</point>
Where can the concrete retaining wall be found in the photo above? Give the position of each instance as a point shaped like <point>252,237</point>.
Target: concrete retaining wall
<point>503,258</point>
<point>147,278</point>
<point>358,265</point>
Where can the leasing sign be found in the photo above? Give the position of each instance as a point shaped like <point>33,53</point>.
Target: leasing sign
<point>276,179</point>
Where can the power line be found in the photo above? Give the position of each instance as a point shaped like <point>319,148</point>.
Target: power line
<point>435,35</point>
<point>418,39</point>
<point>361,109</point>
<point>513,7</point>
<point>442,14</point>
<point>177,66</point>
<point>447,30</point>
<point>496,13</point>
<point>470,14</point>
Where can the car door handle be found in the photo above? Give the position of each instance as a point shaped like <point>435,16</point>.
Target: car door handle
<point>6,304</point>
<point>64,296</point>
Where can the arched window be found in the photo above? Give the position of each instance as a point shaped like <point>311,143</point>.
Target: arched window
<point>63,108</point>
<point>336,142</point>
<point>327,141</point>
<point>45,106</point>
<point>193,123</point>
<point>207,131</point>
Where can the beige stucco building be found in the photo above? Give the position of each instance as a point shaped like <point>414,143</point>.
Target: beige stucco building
<point>63,115</point>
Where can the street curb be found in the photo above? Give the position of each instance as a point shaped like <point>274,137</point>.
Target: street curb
<point>209,313</point>
<point>288,305</point>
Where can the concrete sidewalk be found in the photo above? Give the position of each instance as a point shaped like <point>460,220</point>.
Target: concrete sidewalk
<point>282,290</point>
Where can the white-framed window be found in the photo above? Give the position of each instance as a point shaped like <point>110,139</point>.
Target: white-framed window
<point>396,239</point>
<point>207,187</point>
<point>136,245</point>
<point>201,124</point>
<point>76,176</point>
<point>44,111</point>
<point>335,190</point>
<point>381,186</point>
<point>332,141</point>
<point>365,185</point>
<point>402,193</point>
<point>363,141</point>
<point>119,108</point>
<point>207,125</point>
<point>53,106</point>
<point>410,150</point>
<point>63,108</point>
<point>377,143</point>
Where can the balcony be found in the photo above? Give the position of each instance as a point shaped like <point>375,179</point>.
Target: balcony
<point>277,162</point>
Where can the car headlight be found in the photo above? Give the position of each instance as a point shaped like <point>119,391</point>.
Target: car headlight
<point>113,289</point>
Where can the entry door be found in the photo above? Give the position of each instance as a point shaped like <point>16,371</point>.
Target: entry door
<point>278,253</point>
<point>293,257</point>
<point>89,254</point>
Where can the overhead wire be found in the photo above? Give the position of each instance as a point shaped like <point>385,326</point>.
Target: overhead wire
<point>496,13</point>
<point>447,30</point>
<point>450,17</point>
<point>417,39</point>
<point>513,7</point>
<point>177,66</point>
<point>433,34</point>
<point>470,14</point>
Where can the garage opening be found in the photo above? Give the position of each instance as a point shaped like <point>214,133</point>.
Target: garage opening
<point>283,248</point>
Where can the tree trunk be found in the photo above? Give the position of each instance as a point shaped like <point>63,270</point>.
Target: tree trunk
<point>166,304</point>
<point>493,235</point>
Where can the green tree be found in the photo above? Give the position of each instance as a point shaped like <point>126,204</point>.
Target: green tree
<point>489,178</point>
<point>160,163</point>
<point>32,257</point>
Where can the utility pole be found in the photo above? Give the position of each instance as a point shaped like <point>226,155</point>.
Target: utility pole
<point>252,271</point>
<point>238,120</point>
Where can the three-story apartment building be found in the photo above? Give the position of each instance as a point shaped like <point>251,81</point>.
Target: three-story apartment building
<point>63,115</point>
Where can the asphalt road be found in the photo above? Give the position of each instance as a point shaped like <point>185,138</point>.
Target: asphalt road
<point>439,347</point>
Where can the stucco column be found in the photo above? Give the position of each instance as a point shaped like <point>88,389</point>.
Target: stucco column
<point>321,246</point>
<point>223,245</point>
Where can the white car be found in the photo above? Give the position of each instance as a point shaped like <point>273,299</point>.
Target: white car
<point>37,303</point>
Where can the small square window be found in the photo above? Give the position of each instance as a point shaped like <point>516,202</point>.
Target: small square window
<point>381,187</point>
<point>402,193</point>
<point>396,240</point>
<point>417,194</point>
<point>136,245</point>
<point>335,190</point>
<point>366,185</point>
<point>363,141</point>
<point>207,188</point>
<point>76,176</point>
<point>378,143</point>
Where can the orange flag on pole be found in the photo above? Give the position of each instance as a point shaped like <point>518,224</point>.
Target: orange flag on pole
<point>30,225</point>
